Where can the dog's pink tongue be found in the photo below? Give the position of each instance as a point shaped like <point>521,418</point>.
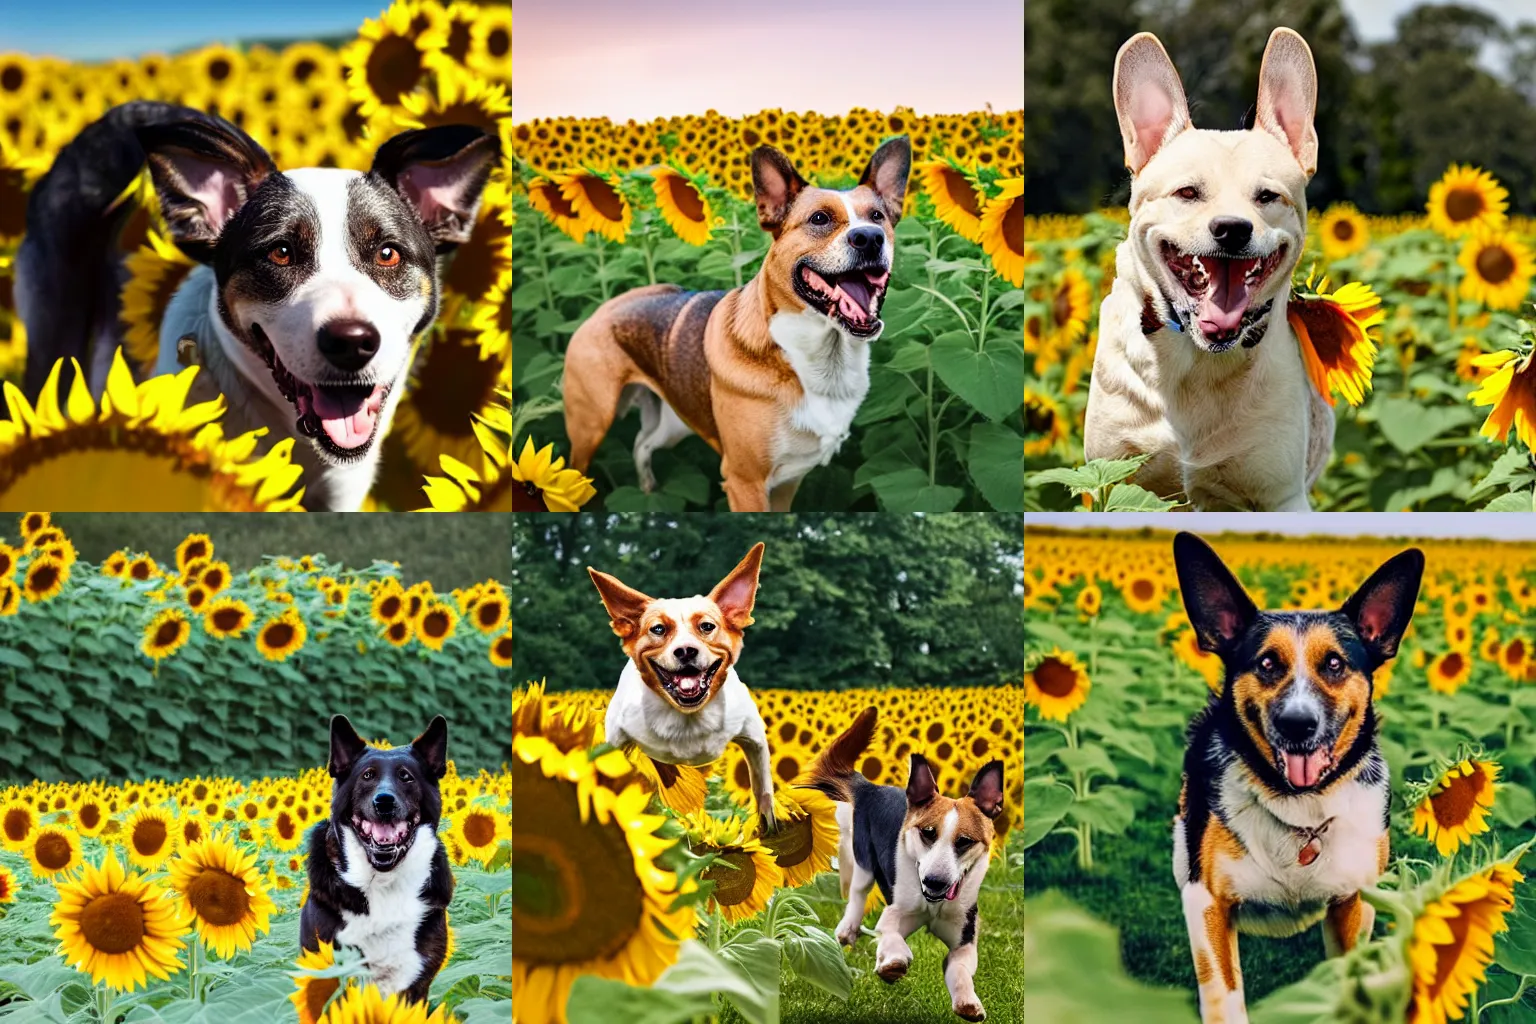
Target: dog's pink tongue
<point>346,420</point>
<point>954,890</point>
<point>1303,770</point>
<point>688,685</point>
<point>1225,302</point>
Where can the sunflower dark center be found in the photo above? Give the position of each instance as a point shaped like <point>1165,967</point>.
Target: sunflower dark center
<point>1452,663</point>
<point>394,68</point>
<point>1143,590</point>
<point>1494,264</point>
<point>303,69</point>
<point>218,897</point>
<point>454,382</point>
<point>733,884</point>
<point>935,731</point>
<point>219,70</point>
<point>504,648</point>
<point>603,197</point>
<point>557,202</point>
<point>1039,418</point>
<point>13,202</point>
<point>279,634</point>
<point>959,191</point>
<point>390,606</point>
<point>489,613</point>
<point>479,830</point>
<point>1343,230</point>
<point>12,78</point>
<point>167,634</point>
<point>17,824</point>
<point>1061,305</point>
<point>791,845</point>
<point>53,851</point>
<point>435,624</point>
<point>317,992</point>
<point>686,198</point>
<point>458,41</point>
<point>1454,804</point>
<point>149,837</point>
<point>1013,227</point>
<point>1055,678</point>
<point>871,768</point>
<point>113,923</point>
<point>1515,652</point>
<point>90,815</point>
<point>1463,204</point>
<point>498,42</point>
<point>787,768</point>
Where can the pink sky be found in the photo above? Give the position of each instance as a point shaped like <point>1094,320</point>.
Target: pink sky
<point>622,59</point>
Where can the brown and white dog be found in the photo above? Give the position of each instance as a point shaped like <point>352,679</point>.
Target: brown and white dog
<point>926,852</point>
<point>1283,815</point>
<point>679,698</point>
<point>770,374</point>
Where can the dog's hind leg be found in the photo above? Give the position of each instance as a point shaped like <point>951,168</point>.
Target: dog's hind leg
<point>855,880</point>
<point>660,427</point>
<point>596,373</point>
<point>1348,921</point>
<point>1213,941</point>
<point>960,963</point>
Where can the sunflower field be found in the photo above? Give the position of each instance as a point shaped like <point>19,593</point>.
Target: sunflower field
<point>421,63</point>
<point>719,917</point>
<point>601,208</point>
<point>1427,344</point>
<point>1113,676</point>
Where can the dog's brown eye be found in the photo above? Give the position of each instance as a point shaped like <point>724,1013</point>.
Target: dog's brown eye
<point>1189,193</point>
<point>821,218</point>
<point>964,843</point>
<point>658,630</point>
<point>1333,666</point>
<point>1266,196</point>
<point>929,833</point>
<point>706,627</point>
<point>281,255</point>
<point>877,216</point>
<point>388,256</point>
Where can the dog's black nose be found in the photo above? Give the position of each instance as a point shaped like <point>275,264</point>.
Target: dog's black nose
<point>1296,725</point>
<point>384,804</point>
<point>1231,233</point>
<point>686,654</point>
<point>933,883</point>
<point>348,344</point>
<point>866,240</point>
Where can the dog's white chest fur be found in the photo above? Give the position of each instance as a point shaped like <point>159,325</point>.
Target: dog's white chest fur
<point>666,734</point>
<point>833,367</point>
<point>386,935</point>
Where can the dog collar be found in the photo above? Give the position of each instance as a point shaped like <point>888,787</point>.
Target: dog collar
<point>1151,323</point>
<point>1311,842</point>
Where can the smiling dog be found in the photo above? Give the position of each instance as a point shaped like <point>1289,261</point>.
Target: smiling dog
<point>312,284</point>
<point>1283,815</point>
<point>679,698</point>
<point>1197,366</point>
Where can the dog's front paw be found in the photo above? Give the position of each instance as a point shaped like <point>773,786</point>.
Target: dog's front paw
<point>970,1010</point>
<point>892,970</point>
<point>769,821</point>
<point>848,932</point>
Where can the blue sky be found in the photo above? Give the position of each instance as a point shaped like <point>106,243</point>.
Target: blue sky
<point>1491,525</point>
<point>101,30</point>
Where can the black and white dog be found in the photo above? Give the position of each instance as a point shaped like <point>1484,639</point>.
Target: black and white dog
<point>313,283</point>
<point>379,880</point>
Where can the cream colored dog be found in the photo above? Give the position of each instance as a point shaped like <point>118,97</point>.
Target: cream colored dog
<point>1197,366</point>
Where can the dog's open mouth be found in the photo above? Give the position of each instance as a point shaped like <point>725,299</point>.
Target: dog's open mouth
<point>1304,769</point>
<point>851,298</point>
<point>386,841</point>
<point>688,686</point>
<point>1223,288</point>
<point>939,896</point>
<point>341,418</point>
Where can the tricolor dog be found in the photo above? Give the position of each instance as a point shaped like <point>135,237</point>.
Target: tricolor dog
<point>312,283</point>
<point>926,852</point>
<point>379,880</point>
<point>679,698</point>
<point>1284,810</point>
<point>1197,366</point>
<point>770,374</point>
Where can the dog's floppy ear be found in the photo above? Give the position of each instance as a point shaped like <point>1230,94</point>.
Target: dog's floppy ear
<point>204,169</point>
<point>887,174</point>
<point>737,593</point>
<point>775,183</point>
<point>346,746</point>
<point>922,787</point>
<point>1288,96</point>
<point>431,747</point>
<point>1219,608</point>
<point>441,172</point>
<point>987,789</point>
<point>1149,99</point>
<point>625,604</point>
<point>1382,606</point>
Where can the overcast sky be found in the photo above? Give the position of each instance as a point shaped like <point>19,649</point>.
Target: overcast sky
<point>1374,18</point>
<point>1491,525</point>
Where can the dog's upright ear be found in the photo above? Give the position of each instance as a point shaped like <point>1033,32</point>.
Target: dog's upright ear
<point>1149,99</point>
<point>1288,96</point>
<point>922,787</point>
<point>1382,606</point>
<point>441,172</point>
<point>1219,608</point>
<point>346,746</point>
<point>204,169</point>
<point>987,789</point>
<point>431,747</point>
<point>775,184</point>
<point>625,605</point>
<point>737,593</point>
<point>887,174</point>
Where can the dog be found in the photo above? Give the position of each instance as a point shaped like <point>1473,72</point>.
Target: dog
<point>926,852</point>
<point>1283,814</point>
<point>1197,366</point>
<point>679,698</point>
<point>311,287</point>
<point>379,880</point>
<point>769,374</point>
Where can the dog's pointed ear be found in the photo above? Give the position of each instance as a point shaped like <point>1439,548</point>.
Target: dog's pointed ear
<point>431,747</point>
<point>1149,99</point>
<point>1383,605</point>
<point>441,172</point>
<point>887,174</point>
<point>625,605</point>
<point>346,746</point>
<point>775,184</point>
<point>922,787</point>
<point>1219,608</point>
<point>987,789</point>
<point>737,593</point>
<point>1288,96</point>
<point>204,169</point>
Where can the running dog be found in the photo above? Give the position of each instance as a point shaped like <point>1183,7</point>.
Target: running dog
<point>1197,366</point>
<point>1283,814</point>
<point>312,283</point>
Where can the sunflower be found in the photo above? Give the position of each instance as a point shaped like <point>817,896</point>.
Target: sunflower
<point>681,788</point>
<point>117,927</point>
<point>219,888</point>
<point>44,578</point>
<point>390,58</point>
<point>683,204</point>
<point>745,873</point>
<point>10,598</point>
<point>451,386</point>
<point>165,634</point>
<point>1333,330</point>
<point>311,993</point>
<point>1448,671</point>
<point>1002,231</point>
<point>542,475</point>
<point>1209,666</point>
<point>436,624</point>
<point>151,836</point>
<point>155,270</point>
<point>8,885</point>
<point>287,831</point>
<point>366,1005</point>
<point>18,820</point>
<point>1452,942</point>
<point>388,604</point>
<point>195,547</point>
<point>955,200</point>
<point>281,635</point>
<point>490,611</point>
<point>1045,423</point>
<point>1454,807</point>
<point>226,618</point>
<point>500,650</point>
<point>142,568</point>
<point>34,523</point>
<point>455,97</point>
<point>464,488</point>
<point>544,195</point>
<point>492,319</point>
<point>1071,305</point>
<point>490,42</point>
<point>53,850</point>
<point>1089,600</point>
<point>1465,200</point>
<point>89,817</point>
<point>596,198</point>
<point>1344,231</point>
<point>480,831</point>
<point>1498,269</point>
<point>806,839</point>
<point>1511,389</point>
<point>1057,685</point>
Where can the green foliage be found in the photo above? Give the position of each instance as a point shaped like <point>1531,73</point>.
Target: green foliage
<point>844,601</point>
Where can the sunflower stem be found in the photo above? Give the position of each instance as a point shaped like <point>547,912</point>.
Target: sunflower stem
<point>647,249</point>
<point>736,243</point>
<point>543,256</point>
<point>1450,291</point>
<point>981,321</point>
<point>1525,982</point>
<point>192,968</point>
<point>602,276</point>
<point>106,1004</point>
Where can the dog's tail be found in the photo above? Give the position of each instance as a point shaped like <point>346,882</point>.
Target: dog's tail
<point>833,770</point>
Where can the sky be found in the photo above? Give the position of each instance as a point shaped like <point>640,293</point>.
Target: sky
<point>1491,525</point>
<point>1374,18</point>
<point>623,60</point>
